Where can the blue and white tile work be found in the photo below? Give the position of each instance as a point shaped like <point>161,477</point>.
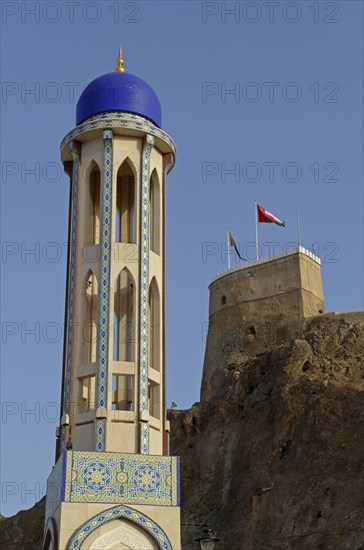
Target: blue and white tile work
<point>115,478</point>
<point>144,292</point>
<point>120,512</point>
<point>103,336</point>
<point>121,478</point>
<point>116,119</point>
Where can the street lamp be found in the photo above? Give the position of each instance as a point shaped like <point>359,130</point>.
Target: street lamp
<point>207,540</point>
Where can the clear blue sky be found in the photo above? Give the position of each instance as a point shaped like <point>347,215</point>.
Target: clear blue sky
<point>297,73</point>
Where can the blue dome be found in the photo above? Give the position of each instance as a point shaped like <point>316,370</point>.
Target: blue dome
<point>119,92</point>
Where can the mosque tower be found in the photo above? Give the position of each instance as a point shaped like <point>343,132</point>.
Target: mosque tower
<point>114,484</point>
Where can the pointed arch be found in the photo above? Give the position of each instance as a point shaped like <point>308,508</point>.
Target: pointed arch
<point>50,541</point>
<point>125,203</point>
<point>123,512</point>
<point>94,186</point>
<point>92,165</point>
<point>124,317</point>
<point>154,325</point>
<point>89,332</point>
<point>154,213</point>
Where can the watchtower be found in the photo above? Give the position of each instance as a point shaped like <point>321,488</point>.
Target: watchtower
<point>258,304</point>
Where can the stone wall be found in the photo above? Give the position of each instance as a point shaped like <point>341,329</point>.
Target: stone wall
<point>260,305</point>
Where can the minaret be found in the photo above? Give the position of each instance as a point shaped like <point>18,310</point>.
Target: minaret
<point>114,484</point>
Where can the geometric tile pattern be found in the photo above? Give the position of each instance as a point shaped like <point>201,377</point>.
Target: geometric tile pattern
<point>121,120</point>
<point>117,512</point>
<point>121,478</point>
<point>113,478</point>
<point>104,294</point>
<point>144,438</point>
<point>100,433</point>
<point>74,150</point>
<point>144,292</point>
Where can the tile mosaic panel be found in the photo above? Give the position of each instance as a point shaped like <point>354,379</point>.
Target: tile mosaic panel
<point>121,478</point>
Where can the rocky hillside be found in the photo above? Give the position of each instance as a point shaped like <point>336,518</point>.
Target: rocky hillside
<point>275,460</point>
<point>25,530</point>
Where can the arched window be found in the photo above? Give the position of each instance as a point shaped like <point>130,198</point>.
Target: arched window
<point>89,332</point>
<point>94,209</point>
<point>125,204</point>
<point>154,213</point>
<point>124,326</point>
<point>154,326</point>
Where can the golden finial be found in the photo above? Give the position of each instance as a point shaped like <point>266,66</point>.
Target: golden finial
<point>120,68</point>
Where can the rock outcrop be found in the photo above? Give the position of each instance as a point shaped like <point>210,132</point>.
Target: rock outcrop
<point>274,461</point>
<point>24,531</point>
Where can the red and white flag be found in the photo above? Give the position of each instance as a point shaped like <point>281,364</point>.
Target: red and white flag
<point>266,217</point>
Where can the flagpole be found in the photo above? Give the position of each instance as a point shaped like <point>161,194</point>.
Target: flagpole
<point>298,229</point>
<point>227,248</point>
<point>256,230</point>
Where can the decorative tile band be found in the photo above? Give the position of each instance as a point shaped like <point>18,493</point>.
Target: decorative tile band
<point>144,292</point>
<point>144,437</point>
<point>121,478</point>
<point>113,478</point>
<point>104,297</point>
<point>118,119</point>
<point>74,150</point>
<point>100,434</point>
<point>118,512</point>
